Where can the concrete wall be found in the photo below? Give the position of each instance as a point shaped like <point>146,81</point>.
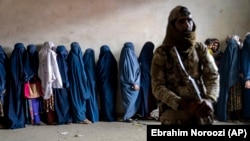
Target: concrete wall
<point>94,23</point>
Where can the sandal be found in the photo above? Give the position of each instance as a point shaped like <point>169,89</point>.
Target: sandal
<point>86,121</point>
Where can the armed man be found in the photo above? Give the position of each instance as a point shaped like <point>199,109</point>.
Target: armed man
<point>177,98</point>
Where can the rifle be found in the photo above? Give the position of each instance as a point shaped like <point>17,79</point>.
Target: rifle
<point>192,84</point>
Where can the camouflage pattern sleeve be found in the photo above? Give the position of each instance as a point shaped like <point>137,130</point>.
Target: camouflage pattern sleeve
<point>158,81</point>
<point>210,74</point>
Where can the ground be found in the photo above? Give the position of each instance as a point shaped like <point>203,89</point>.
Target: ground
<point>99,131</point>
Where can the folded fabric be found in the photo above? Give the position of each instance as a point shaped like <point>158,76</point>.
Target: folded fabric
<point>32,90</point>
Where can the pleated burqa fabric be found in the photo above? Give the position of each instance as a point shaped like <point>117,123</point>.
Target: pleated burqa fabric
<point>148,101</point>
<point>32,63</point>
<point>33,105</point>
<point>107,82</point>
<point>92,105</point>
<point>245,58</point>
<point>4,77</point>
<point>78,82</point>
<point>130,75</point>
<point>61,95</point>
<point>14,99</point>
<point>229,75</point>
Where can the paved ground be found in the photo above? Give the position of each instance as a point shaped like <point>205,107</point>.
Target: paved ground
<point>100,131</point>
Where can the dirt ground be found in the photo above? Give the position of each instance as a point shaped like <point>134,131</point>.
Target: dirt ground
<point>99,131</point>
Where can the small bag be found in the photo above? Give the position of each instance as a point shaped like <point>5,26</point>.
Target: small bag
<point>32,90</point>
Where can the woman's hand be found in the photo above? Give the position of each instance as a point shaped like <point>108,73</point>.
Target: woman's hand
<point>136,87</point>
<point>247,84</point>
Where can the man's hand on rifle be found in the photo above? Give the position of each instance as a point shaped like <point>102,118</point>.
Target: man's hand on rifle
<point>205,108</point>
<point>189,106</point>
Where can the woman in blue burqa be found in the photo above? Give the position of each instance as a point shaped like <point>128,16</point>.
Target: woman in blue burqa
<point>245,58</point>
<point>107,82</point>
<point>148,101</point>
<point>61,95</point>
<point>130,75</point>
<point>14,100</point>
<point>230,81</point>
<point>90,68</point>
<point>78,83</point>
<point>4,77</point>
<point>33,105</point>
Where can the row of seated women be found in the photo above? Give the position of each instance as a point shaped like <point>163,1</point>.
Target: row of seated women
<point>74,88</point>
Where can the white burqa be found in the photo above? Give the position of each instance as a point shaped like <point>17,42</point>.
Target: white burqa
<point>48,70</point>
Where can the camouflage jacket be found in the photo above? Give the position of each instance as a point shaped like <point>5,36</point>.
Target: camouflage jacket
<point>169,84</point>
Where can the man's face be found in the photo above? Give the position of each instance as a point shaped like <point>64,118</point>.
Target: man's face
<point>184,24</point>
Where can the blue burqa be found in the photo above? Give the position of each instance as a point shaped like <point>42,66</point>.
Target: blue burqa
<point>229,75</point>
<point>107,82</point>
<point>78,82</point>
<point>130,75</point>
<point>92,105</point>
<point>14,99</point>
<point>4,64</point>
<point>32,63</point>
<point>61,95</point>
<point>146,96</point>
<point>245,58</point>
<point>31,75</point>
